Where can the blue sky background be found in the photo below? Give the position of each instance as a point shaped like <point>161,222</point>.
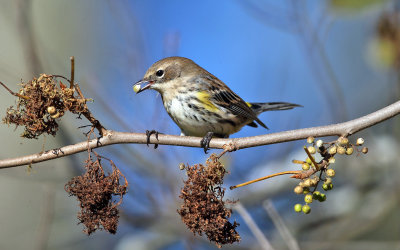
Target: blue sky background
<point>313,53</point>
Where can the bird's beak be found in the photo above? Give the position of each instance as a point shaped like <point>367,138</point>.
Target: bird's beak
<point>137,87</point>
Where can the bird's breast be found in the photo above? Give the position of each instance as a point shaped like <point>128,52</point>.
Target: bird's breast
<point>195,118</point>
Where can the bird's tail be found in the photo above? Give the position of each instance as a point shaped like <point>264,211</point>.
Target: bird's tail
<point>259,107</point>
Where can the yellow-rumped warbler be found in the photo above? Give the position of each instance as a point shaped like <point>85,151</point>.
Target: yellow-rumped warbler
<point>199,103</point>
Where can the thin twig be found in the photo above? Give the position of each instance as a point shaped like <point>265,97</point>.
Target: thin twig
<point>113,137</point>
<point>298,162</point>
<point>295,172</point>
<point>96,123</point>
<point>71,83</point>
<point>13,93</point>
<point>311,158</point>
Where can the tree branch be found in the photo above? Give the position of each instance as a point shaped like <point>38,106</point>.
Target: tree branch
<point>113,137</point>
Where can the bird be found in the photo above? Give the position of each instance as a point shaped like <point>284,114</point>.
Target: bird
<point>199,103</point>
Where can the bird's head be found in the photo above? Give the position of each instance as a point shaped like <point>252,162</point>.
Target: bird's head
<point>165,74</point>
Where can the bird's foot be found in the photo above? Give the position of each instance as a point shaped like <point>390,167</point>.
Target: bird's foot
<point>148,134</point>
<point>205,142</point>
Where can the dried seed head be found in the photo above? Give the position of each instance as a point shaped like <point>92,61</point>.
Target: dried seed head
<point>97,194</point>
<point>203,209</point>
<point>42,97</point>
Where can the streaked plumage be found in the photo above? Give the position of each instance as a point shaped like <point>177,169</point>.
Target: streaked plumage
<point>199,102</point>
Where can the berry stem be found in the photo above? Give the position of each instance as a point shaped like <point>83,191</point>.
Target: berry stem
<point>264,178</point>
<point>311,158</point>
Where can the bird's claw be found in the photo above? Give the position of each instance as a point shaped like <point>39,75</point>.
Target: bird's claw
<point>148,134</point>
<point>205,142</point>
<point>98,142</point>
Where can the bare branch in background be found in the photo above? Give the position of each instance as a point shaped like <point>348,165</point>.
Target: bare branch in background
<point>288,238</point>
<point>46,217</point>
<point>264,243</point>
<point>28,36</point>
<point>296,20</point>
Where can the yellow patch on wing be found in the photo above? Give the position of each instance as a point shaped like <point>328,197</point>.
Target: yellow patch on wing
<point>204,98</point>
<point>248,104</point>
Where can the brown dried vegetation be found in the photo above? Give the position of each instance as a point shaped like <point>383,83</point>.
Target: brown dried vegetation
<point>203,210</point>
<point>95,192</point>
<point>40,102</point>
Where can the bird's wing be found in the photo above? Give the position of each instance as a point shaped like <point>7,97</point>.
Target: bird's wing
<point>226,98</point>
<point>220,95</point>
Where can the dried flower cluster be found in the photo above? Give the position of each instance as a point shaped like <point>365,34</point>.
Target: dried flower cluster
<point>40,102</point>
<point>203,210</point>
<point>95,192</point>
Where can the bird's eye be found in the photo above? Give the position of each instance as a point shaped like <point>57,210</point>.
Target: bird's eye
<point>160,73</point>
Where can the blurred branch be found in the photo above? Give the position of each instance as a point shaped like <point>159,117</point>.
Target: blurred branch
<point>270,14</point>
<point>288,238</point>
<point>46,217</point>
<point>265,244</point>
<point>114,137</point>
<point>296,21</point>
<point>28,36</point>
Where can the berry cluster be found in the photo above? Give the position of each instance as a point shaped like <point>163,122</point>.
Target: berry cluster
<point>315,172</point>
